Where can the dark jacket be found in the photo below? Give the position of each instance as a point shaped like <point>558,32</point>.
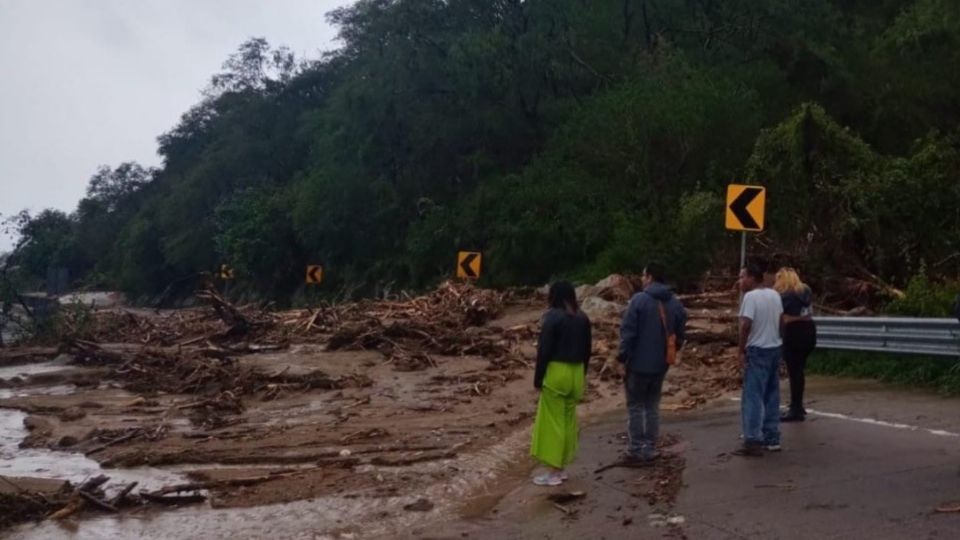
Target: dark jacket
<point>564,337</point>
<point>797,304</point>
<point>643,347</point>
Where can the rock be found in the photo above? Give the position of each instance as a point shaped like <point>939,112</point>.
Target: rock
<point>71,414</point>
<point>67,441</point>
<point>63,358</point>
<point>596,307</point>
<point>421,505</point>
<point>586,291</point>
<point>40,431</point>
<point>615,288</point>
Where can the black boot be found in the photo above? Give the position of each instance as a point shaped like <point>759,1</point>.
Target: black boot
<point>794,415</point>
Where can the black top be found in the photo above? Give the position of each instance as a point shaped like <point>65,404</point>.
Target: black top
<point>564,337</point>
<point>797,304</point>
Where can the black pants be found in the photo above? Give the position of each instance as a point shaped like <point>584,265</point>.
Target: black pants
<point>799,340</point>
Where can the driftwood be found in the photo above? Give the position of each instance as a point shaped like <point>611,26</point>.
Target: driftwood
<point>94,483</point>
<point>116,501</point>
<point>90,498</point>
<point>75,505</point>
<point>231,316</point>
<point>123,438</point>
<point>25,354</point>
<point>219,484</point>
<point>172,500</point>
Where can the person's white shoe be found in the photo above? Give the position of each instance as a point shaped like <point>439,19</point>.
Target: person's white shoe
<point>547,479</point>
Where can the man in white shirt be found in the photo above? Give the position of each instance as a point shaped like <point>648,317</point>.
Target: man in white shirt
<point>760,350</point>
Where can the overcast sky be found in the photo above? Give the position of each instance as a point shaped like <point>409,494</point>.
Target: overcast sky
<point>91,82</point>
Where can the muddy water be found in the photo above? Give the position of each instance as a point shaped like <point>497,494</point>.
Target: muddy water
<point>38,462</point>
<point>25,370</point>
<point>476,475</point>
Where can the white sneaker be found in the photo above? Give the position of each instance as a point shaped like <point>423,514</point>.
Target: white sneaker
<point>547,479</point>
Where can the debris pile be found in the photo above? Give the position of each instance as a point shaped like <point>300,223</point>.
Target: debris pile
<point>125,326</point>
<point>20,504</point>
<point>449,321</point>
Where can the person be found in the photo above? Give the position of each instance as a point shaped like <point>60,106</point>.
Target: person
<point>759,353</point>
<point>652,316</point>
<point>563,354</point>
<point>799,336</point>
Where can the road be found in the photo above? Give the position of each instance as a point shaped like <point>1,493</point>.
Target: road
<point>870,462</point>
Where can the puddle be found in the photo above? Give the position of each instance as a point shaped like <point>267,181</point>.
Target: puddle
<point>76,468</point>
<point>25,370</point>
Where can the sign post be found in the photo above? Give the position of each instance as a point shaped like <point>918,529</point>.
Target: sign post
<point>226,274</point>
<point>746,212</point>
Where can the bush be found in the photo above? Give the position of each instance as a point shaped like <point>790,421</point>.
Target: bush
<point>925,298</point>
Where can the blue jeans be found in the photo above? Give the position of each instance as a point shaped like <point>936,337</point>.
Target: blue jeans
<point>643,412</point>
<point>760,405</point>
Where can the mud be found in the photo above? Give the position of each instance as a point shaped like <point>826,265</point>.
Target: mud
<point>279,450</point>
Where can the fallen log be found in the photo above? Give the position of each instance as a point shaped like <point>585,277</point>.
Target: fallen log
<point>25,354</point>
<point>123,438</point>
<point>94,483</point>
<point>228,313</point>
<point>90,498</point>
<point>218,484</point>
<point>75,505</point>
<point>173,500</point>
<point>116,501</point>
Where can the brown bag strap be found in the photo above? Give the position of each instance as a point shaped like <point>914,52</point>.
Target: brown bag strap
<point>663,319</point>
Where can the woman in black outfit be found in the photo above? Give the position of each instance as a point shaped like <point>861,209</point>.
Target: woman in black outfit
<point>799,336</point>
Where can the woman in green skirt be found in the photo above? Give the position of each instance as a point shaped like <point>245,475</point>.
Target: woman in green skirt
<point>562,355</point>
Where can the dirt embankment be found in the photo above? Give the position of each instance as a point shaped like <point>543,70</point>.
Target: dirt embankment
<point>376,400</point>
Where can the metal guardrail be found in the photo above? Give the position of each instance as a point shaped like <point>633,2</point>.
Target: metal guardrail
<point>936,337</point>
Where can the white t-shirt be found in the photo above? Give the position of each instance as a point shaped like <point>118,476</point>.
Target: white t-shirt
<point>764,308</point>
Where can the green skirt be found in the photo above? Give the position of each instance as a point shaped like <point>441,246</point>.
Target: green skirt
<point>554,440</point>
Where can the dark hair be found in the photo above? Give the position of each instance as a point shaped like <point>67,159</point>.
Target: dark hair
<point>563,296</point>
<point>656,271</point>
<point>755,272</point>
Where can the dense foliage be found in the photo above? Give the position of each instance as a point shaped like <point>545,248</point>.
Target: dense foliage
<point>561,137</point>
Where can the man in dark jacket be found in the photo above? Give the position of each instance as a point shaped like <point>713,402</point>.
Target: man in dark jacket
<point>643,351</point>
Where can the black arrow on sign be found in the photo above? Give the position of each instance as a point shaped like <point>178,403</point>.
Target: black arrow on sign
<point>465,265</point>
<point>739,207</point>
<point>313,274</point>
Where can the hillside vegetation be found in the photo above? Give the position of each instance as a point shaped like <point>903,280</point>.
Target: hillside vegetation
<point>560,137</point>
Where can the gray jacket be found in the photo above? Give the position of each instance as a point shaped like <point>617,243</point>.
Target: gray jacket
<point>642,342</point>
